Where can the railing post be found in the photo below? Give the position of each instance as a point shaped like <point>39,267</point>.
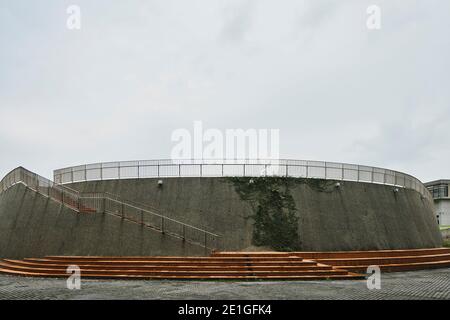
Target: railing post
<point>122,209</point>
<point>142,217</point>
<point>215,243</point>
<point>104,204</point>
<point>184,232</point>
<point>162,224</point>
<point>205,239</point>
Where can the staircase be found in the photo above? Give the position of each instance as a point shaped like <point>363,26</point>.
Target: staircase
<point>181,268</point>
<point>43,186</point>
<point>351,265</point>
<point>359,261</point>
<point>106,203</point>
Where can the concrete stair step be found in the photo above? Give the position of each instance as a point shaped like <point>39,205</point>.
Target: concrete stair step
<point>198,272</point>
<point>254,254</point>
<point>399,267</point>
<point>234,265</point>
<point>231,267</point>
<point>338,254</point>
<point>384,260</point>
<point>347,276</point>
<point>358,261</point>
<point>177,262</point>
<point>169,258</point>
<point>206,268</point>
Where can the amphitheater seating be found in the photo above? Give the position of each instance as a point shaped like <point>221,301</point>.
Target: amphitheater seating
<point>358,261</point>
<point>200,268</point>
<point>235,265</point>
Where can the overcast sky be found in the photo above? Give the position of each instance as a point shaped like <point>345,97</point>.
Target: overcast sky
<point>138,70</point>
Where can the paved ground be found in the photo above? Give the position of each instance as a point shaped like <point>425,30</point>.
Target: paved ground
<point>430,284</point>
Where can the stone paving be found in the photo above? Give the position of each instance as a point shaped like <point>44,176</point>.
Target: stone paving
<point>429,284</point>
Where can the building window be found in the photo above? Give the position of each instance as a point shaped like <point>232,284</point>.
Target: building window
<point>439,191</point>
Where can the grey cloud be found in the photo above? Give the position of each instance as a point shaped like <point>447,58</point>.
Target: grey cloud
<point>137,71</point>
<point>236,21</point>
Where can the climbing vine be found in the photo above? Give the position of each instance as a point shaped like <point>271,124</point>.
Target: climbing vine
<point>274,209</point>
<point>276,224</point>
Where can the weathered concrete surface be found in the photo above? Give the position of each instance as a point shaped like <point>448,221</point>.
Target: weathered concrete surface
<point>357,216</point>
<point>31,225</point>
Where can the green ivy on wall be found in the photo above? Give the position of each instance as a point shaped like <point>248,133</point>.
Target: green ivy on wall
<point>275,213</point>
<point>276,223</point>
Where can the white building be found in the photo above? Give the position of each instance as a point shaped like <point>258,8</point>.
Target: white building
<point>439,190</point>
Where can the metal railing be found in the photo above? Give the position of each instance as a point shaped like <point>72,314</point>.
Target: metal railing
<point>110,204</point>
<point>242,168</point>
<point>44,186</point>
<point>143,215</point>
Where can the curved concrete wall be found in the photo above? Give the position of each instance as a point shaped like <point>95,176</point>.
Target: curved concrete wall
<point>32,225</point>
<point>356,216</point>
<point>181,168</point>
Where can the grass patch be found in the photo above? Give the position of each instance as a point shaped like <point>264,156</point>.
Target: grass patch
<point>444,227</point>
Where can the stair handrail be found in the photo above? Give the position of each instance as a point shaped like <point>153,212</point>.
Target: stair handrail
<point>99,202</point>
<point>145,206</point>
<point>42,185</point>
<point>76,200</point>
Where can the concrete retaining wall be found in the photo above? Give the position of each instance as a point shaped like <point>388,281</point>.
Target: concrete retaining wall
<point>32,225</point>
<point>356,216</point>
